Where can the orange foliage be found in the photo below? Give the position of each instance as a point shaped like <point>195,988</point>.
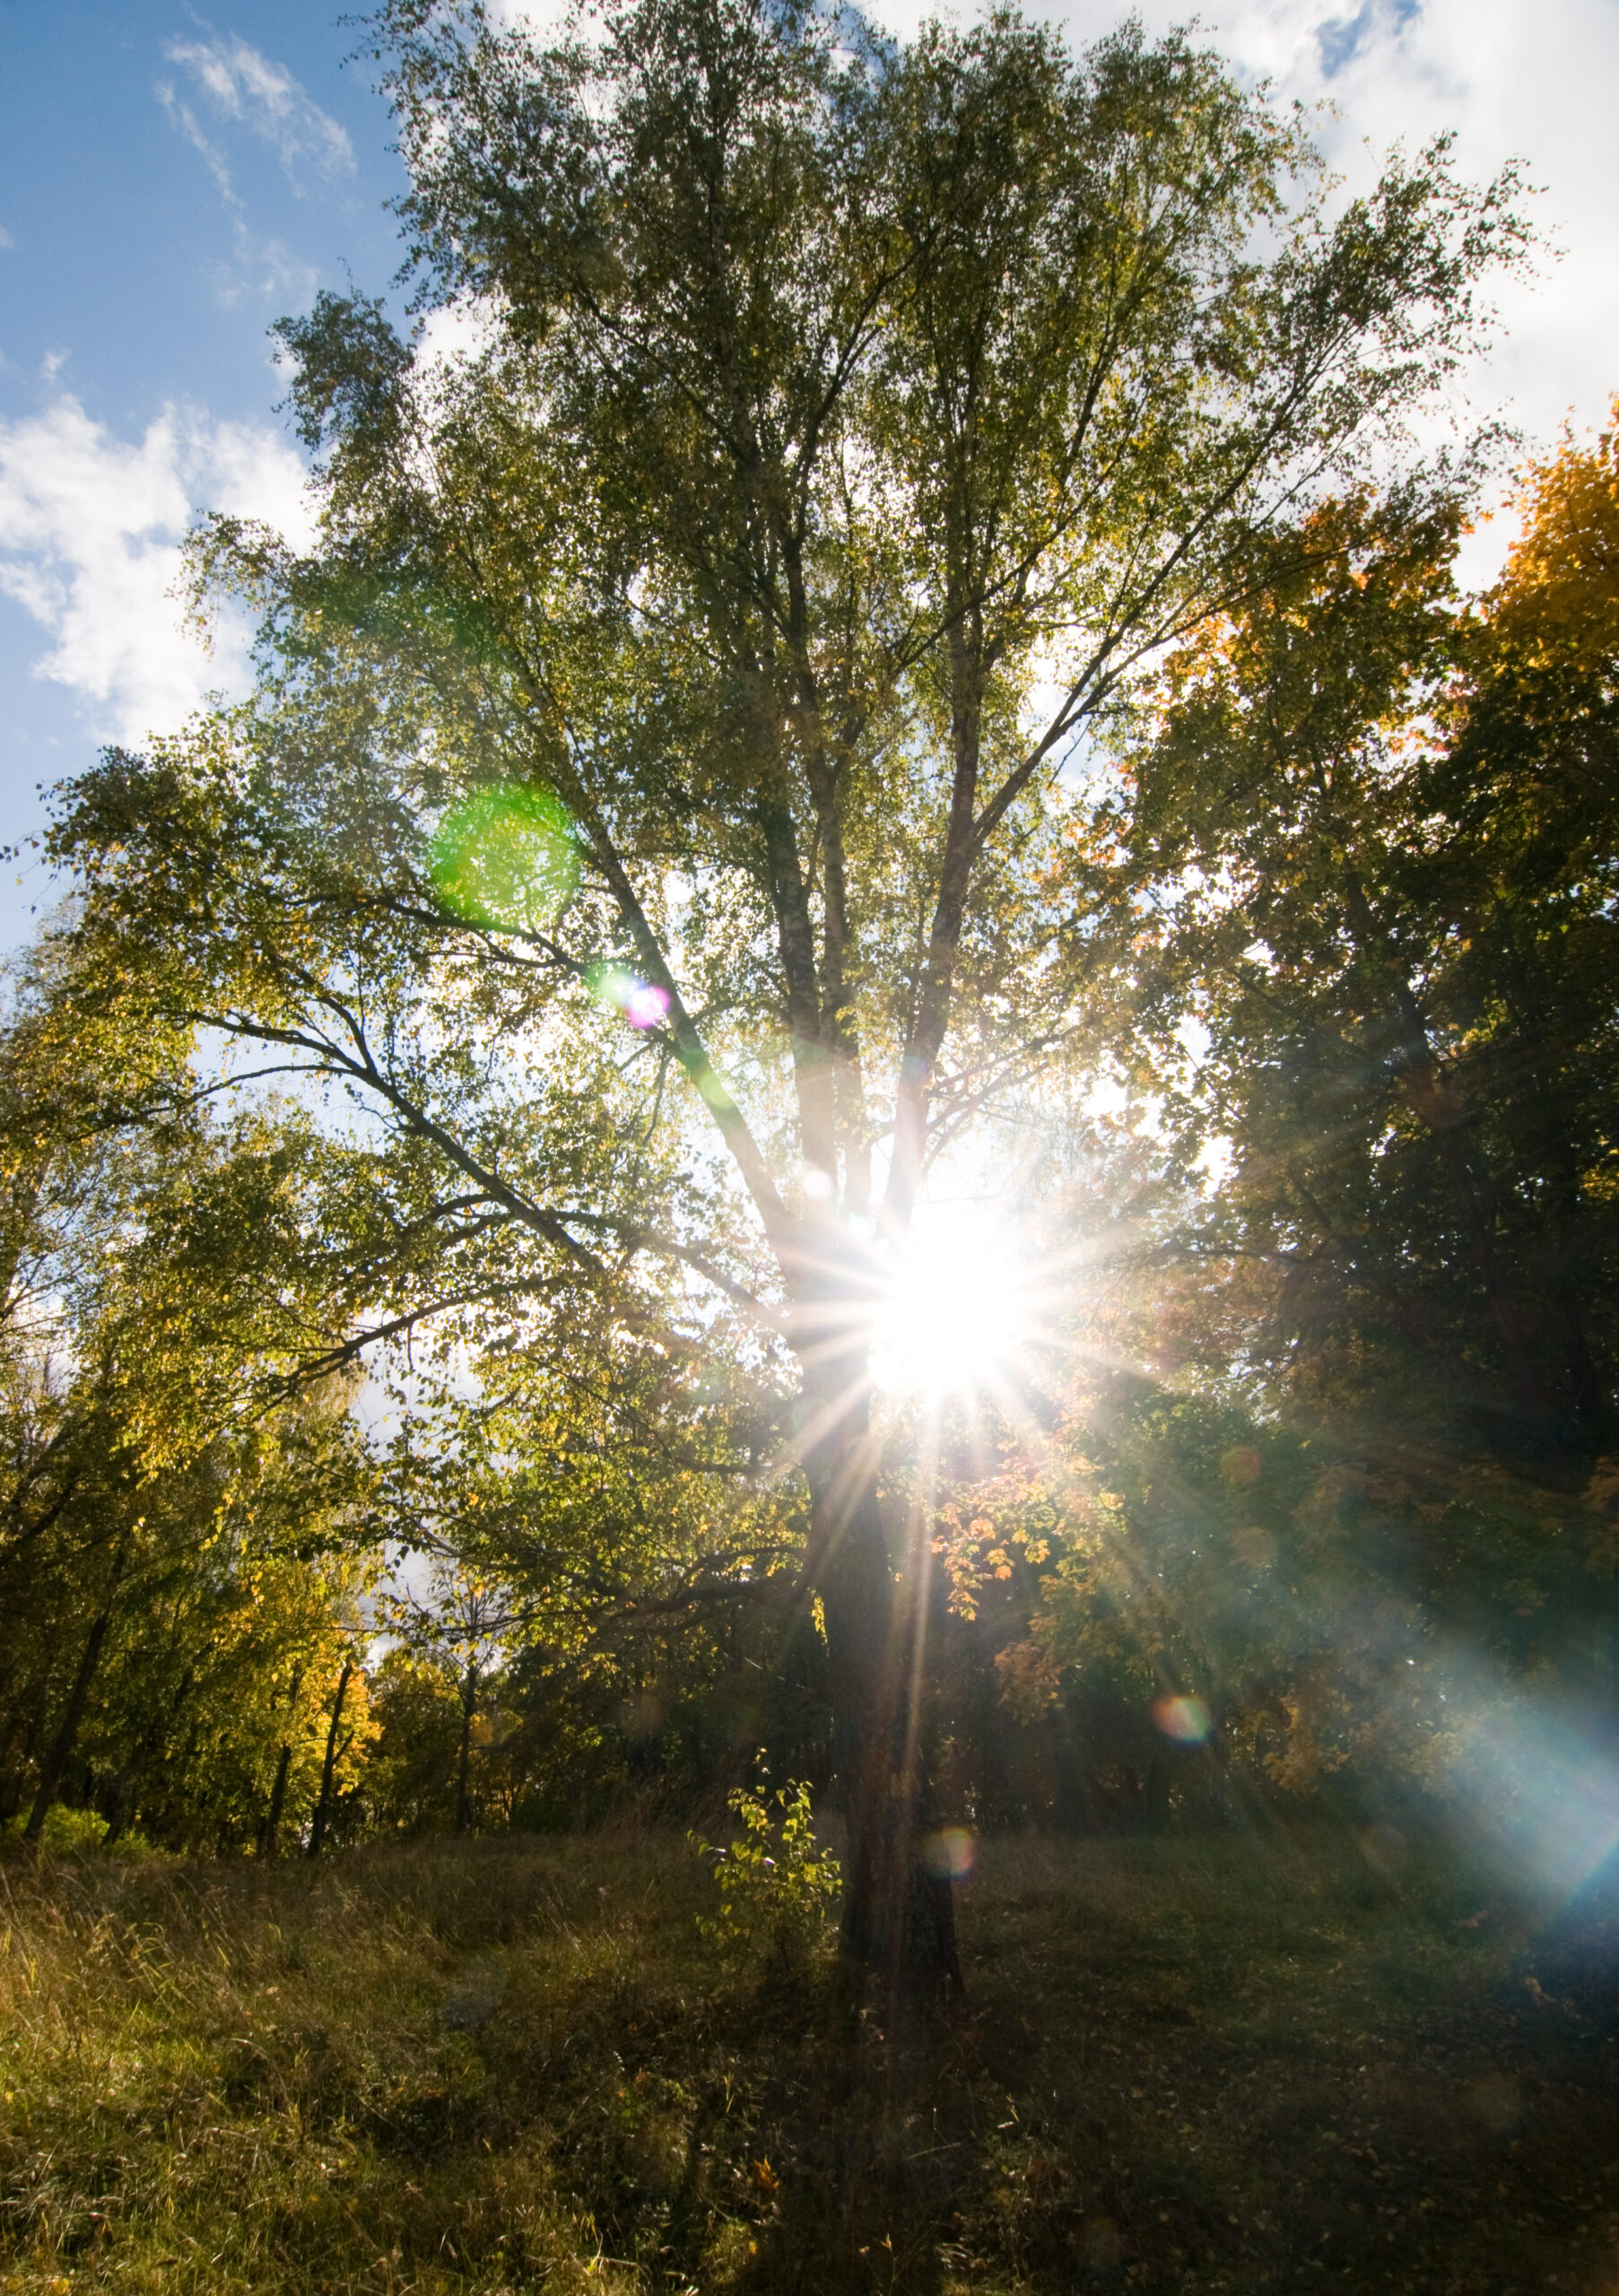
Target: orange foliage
<point>1559,597</point>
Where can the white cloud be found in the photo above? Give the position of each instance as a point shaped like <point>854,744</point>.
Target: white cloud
<point>1513,82</point>
<point>92,528</point>
<point>240,84</point>
<point>6,240</point>
<point>454,332</point>
<point>541,19</point>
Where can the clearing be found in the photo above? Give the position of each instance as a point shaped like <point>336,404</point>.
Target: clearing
<point>1185,2063</point>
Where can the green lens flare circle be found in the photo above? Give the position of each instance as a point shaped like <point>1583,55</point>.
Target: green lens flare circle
<point>505,858</point>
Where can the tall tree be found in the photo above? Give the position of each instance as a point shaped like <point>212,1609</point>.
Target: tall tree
<point>842,423</point>
<point>1374,830</point>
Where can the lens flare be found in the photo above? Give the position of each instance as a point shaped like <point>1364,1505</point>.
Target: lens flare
<point>505,858</point>
<point>950,1854</point>
<point>645,1004</point>
<point>641,1002</point>
<point>1186,1720</point>
<point>1240,1463</point>
<point>1540,1780</point>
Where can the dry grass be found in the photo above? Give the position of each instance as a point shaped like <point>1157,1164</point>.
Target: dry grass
<point>510,2064</point>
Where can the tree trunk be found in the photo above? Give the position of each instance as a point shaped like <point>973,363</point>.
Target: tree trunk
<point>270,1833</point>
<point>469,1705</point>
<point>118,1800</point>
<point>269,1836</point>
<point>898,1918</point>
<point>323,1806</point>
<point>25,1726</point>
<point>60,1749</point>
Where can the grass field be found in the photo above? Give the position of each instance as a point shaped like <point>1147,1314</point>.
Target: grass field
<point>1183,2065</point>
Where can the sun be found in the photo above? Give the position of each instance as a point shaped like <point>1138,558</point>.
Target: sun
<point>957,1313</point>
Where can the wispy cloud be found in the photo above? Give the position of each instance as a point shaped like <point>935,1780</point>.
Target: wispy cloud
<point>6,240</point>
<point>263,267</point>
<point>231,82</point>
<point>92,525</point>
<point>182,116</point>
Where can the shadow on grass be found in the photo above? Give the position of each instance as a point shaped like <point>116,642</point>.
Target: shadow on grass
<point>1183,2065</point>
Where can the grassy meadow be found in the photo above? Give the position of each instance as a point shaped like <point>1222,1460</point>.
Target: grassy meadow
<point>1214,2064</point>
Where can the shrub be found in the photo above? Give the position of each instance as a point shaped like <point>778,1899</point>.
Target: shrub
<point>775,1884</point>
<point>66,1830</point>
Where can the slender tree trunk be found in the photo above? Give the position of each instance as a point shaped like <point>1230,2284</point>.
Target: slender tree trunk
<point>60,1749</point>
<point>269,1838</point>
<point>323,1806</point>
<point>24,1728</point>
<point>119,1800</point>
<point>469,1705</point>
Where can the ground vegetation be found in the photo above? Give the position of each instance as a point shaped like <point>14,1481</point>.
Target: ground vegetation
<point>510,2064</point>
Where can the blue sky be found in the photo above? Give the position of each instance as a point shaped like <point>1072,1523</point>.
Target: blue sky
<point>171,181</point>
